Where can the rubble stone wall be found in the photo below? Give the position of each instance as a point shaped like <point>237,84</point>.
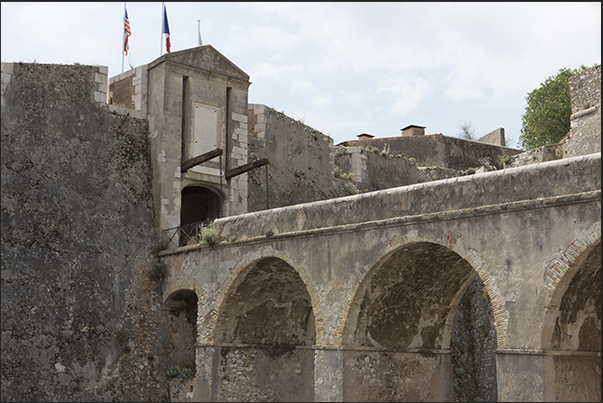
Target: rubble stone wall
<point>81,320</point>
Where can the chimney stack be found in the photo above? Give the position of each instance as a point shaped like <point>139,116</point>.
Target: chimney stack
<point>413,130</point>
<point>365,136</point>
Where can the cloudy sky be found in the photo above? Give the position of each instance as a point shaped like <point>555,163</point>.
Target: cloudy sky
<point>341,68</point>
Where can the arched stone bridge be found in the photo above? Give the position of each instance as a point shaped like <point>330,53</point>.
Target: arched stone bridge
<point>353,298</point>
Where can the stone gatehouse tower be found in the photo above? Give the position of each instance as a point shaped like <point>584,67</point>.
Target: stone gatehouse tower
<point>195,101</point>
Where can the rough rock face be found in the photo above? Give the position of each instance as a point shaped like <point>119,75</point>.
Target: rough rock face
<point>81,321</point>
<point>472,345</point>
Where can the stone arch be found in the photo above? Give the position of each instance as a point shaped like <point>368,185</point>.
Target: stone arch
<point>237,274</point>
<point>402,316</point>
<point>266,331</point>
<point>571,336</point>
<point>560,271</point>
<point>480,267</point>
<point>181,307</point>
<point>388,283</point>
<point>179,284</point>
<point>267,288</point>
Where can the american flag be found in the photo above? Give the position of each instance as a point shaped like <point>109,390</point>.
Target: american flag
<point>127,31</point>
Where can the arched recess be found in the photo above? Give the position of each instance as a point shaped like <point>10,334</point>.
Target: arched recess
<point>572,329</point>
<point>181,309</point>
<point>397,334</point>
<point>198,204</point>
<point>266,330</point>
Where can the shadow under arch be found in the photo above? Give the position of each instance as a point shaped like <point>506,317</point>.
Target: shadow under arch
<point>471,266</point>
<point>401,317</point>
<point>238,274</point>
<point>265,328</point>
<point>181,310</point>
<point>571,337</point>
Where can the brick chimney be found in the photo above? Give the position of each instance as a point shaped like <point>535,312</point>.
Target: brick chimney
<point>413,130</point>
<point>365,136</point>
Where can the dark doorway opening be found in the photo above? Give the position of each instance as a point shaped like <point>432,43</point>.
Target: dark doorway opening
<point>198,204</point>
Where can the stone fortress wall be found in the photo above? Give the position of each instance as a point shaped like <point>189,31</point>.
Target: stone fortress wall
<point>81,319</point>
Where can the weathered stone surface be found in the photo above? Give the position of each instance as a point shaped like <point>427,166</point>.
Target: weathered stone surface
<point>390,283</point>
<point>300,168</point>
<point>414,278</point>
<point>396,377</point>
<point>80,319</point>
<point>266,374</point>
<point>473,345</point>
<point>439,150</point>
<point>585,133</point>
<point>472,191</point>
<point>269,306</point>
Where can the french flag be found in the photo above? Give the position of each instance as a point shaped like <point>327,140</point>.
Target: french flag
<point>166,31</point>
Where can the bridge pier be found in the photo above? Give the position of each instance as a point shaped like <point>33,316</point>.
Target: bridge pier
<point>328,375</point>
<point>543,376</point>
<point>205,385</point>
<point>520,376</point>
<point>402,375</point>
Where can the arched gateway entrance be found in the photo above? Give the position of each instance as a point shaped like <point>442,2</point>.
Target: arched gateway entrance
<point>198,204</point>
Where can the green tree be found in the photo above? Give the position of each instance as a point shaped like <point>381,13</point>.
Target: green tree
<point>548,109</point>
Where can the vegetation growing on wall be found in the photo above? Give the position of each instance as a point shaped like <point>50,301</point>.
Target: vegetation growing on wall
<point>341,174</point>
<point>176,371</point>
<point>209,235</point>
<point>351,188</point>
<point>548,109</point>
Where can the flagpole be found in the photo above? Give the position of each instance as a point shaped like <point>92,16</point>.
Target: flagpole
<point>161,41</point>
<point>123,38</point>
<point>199,31</point>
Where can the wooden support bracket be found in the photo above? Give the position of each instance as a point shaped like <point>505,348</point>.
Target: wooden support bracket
<point>245,168</point>
<point>186,165</point>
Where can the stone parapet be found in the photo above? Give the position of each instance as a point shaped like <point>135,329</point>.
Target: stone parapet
<point>496,137</point>
<point>585,89</point>
<point>519,184</point>
<point>129,89</point>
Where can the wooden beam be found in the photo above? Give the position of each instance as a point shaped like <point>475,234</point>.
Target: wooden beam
<point>245,168</point>
<point>186,165</point>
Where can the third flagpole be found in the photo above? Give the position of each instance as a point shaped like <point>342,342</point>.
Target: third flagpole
<point>199,31</point>
<point>123,38</point>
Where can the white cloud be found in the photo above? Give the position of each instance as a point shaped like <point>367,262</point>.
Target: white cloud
<point>405,93</point>
<point>322,101</point>
<point>273,72</point>
<point>302,86</point>
<point>355,98</point>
